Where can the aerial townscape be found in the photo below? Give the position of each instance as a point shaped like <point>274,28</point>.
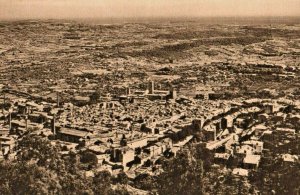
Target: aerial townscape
<point>150,107</point>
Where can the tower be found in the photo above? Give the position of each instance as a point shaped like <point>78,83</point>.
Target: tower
<point>197,124</point>
<point>57,98</point>
<point>151,87</point>
<point>4,101</point>
<point>9,118</point>
<point>173,93</point>
<point>128,91</point>
<point>53,125</point>
<point>26,122</point>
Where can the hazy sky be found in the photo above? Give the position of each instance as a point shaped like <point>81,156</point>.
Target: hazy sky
<point>12,9</point>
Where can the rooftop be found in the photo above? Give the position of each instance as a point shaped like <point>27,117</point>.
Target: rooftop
<point>73,132</point>
<point>252,159</point>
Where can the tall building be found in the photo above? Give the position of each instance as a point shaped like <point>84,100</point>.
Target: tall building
<point>57,98</point>
<point>173,93</point>
<point>53,129</point>
<point>128,91</point>
<point>151,87</point>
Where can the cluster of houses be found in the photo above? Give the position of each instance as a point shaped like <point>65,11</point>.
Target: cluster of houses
<point>238,138</point>
<point>130,135</point>
<point>112,130</point>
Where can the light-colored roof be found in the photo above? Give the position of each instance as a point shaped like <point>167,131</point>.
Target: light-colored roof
<point>81,98</point>
<point>245,149</point>
<point>222,155</point>
<point>185,141</point>
<point>252,159</point>
<point>286,130</point>
<point>289,158</point>
<point>261,127</point>
<point>73,132</point>
<point>254,142</point>
<point>240,171</point>
<point>268,132</point>
<point>101,148</point>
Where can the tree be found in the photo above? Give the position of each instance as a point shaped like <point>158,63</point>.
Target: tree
<point>183,175</point>
<point>89,158</point>
<point>19,178</point>
<point>101,183</point>
<point>94,97</point>
<point>75,184</point>
<point>41,169</point>
<point>235,184</point>
<point>121,179</point>
<point>219,182</point>
<point>277,176</point>
<point>71,163</point>
<point>119,190</point>
<point>36,148</point>
<point>200,152</point>
<point>145,182</point>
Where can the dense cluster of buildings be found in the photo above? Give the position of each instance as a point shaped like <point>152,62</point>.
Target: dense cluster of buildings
<point>243,139</point>
<point>124,133</point>
<point>132,131</point>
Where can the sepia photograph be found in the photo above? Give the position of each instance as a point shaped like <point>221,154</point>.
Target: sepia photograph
<point>140,97</point>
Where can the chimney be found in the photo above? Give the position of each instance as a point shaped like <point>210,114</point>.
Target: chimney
<point>53,125</point>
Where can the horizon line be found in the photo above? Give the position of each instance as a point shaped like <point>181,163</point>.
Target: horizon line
<point>148,17</point>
